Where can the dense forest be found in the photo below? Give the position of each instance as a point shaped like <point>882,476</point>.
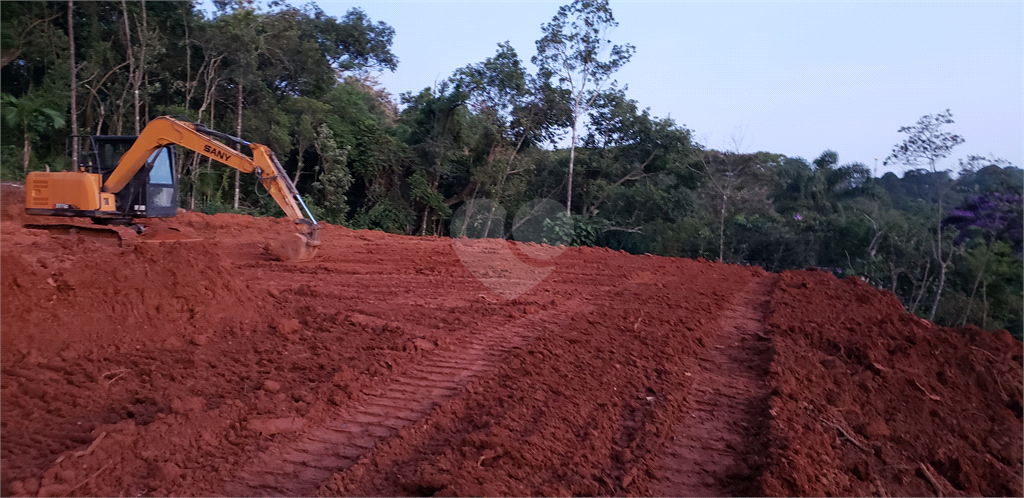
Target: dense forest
<point>493,138</point>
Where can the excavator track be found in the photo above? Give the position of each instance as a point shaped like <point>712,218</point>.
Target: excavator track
<point>120,236</point>
<point>109,235</point>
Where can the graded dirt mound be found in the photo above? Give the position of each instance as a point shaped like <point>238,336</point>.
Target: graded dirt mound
<point>411,366</point>
<point>67,292</point>
<point>873,401</point>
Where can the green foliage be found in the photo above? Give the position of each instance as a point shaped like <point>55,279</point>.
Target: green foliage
<point>992,298</point>
<point>558,229</point>
<point>390,214</point>
<point>577,229</point>
<point>29,118</point>
<point>10,163</point>
<point>421,191</point>
<point>354,42</point>
<point>330,190</point>
<point>30,115</point>
<point>685,237</point>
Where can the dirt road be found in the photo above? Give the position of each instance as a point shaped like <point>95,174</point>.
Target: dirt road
<point>390,366</point>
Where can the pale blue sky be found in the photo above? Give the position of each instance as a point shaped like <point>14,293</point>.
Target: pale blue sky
<point>788,77</point>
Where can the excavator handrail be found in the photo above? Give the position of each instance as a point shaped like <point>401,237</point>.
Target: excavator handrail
<point>164,130</point>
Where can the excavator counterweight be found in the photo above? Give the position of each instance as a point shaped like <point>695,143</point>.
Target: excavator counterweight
<point>123,178</point>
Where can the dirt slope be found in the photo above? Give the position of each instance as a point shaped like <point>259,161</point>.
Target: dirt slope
<point>873,401</point>
<point>393,366</point>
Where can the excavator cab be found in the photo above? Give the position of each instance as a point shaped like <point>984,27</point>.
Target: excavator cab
<point>151,193</point>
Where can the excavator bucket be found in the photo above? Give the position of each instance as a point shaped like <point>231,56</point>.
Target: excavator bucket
<point>294,248</point>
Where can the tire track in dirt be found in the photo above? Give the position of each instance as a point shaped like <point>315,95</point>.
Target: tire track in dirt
<point>299,467</point>
<point>716,449</point>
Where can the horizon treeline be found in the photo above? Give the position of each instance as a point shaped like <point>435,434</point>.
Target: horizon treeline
<point>491,138</point>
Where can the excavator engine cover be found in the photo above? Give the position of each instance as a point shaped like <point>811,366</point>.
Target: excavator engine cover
<point>63,190</point>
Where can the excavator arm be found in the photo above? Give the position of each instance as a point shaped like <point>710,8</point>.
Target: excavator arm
<point>164,131</point>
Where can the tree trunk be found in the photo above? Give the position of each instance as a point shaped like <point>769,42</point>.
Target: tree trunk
<point>74,86</point>
<point>470,207</point>
<point>208,192</point>
<point>141,68</point>
<point>942,282</point>
<point>572,158</point>
<point>426,210</point>
<point>938,256</point>
<point>938,292</point>
<point>299,165</point>
<point>27,151</point>
<point>143,40</point>
<point>893,275</point>
<point>490,217</point>
<point>925,280</point>
<point>423,226</point>
<point>495,197</point>
<point>721,231</point>
<point>194,176</point>
<point>984,305</point>
<point>189,84</point>
<point>131,60</point>
<point>238,133</point>
<point>974,289</point>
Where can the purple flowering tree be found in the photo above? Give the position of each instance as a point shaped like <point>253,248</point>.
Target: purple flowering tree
<point>993,216</point>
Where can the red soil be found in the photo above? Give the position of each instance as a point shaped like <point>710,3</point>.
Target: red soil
<point>386,367</point>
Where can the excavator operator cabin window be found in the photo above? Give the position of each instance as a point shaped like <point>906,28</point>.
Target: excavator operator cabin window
<point>161,172</point>
<point>161,190</point>
<point>111,151</point>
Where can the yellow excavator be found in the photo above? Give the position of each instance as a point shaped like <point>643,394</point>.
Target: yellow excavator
<point>122,178</point>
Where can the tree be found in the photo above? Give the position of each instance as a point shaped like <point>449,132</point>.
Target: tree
<point>136,69</point>
<point>515,113</point>
<point>331,188</point>
<point>355,43</point>
<point>573,50</point>
<point>823,189</point>
<point>239,30</point>
<point>626,149</point>
<point>31,117</point>
<point>439,138</point>
<point>734,182</point>
<point>992,218</point>
<point>927,143</point>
